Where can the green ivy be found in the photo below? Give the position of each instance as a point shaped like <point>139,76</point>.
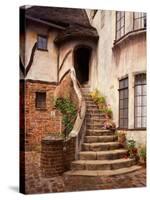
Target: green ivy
<point>69,112</point>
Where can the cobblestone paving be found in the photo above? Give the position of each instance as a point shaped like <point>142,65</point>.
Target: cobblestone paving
<point>134,179</point>
<point>34,183</point>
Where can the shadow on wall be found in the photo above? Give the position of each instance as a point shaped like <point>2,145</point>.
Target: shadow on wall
<point>116,55</point>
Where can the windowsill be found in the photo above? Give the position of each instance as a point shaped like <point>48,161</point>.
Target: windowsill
<point>131,129</point>
<point>128,36</point>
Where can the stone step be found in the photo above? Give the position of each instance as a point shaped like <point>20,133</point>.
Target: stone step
<point>95,114</point>
<point>95,120</point>
<point>92,106</point>
<point>108,138</point>
<point>85,86</point>
<point>93,110</point>
<point>101,132</point>
<point>88,98</point>
<point>102,164</point>
<point>103,155</point>
<point>102,173</point>
<point>90,101</point>
<point>94,126</point>
<point>85,90</point>
<point>100,146</point>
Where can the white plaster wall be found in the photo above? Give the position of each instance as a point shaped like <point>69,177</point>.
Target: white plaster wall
<point>44,66</point>
<point>114,63</point>
<point>139,136</point>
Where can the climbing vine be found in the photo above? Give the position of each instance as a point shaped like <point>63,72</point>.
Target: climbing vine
<point>69,112</point>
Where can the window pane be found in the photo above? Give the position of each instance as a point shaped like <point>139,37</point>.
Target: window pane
<point>144,100</point>
<point>143,122</point>
<point>42,43</point>
<point>121,123</point>
<point>138,122</point>
<point>125,113</point>
<point>144,111</point>
<point>121,113</point>
<point>138,90</point>
<point>139,20</point>
<point>126,93</point>
<point>121,94</point>
<point>138,101</point>
<point>144,90</point>
<point>118,14</point>
<point>138,111</point>
<point>122,13</point>
<point>126,103</point>
<point>40,99</point>
<point>126,82</point>
<point>121,84</point>
<point>118,25</point>
<point>122,22</point>
<point>125,123</point>
<point>121,104</point>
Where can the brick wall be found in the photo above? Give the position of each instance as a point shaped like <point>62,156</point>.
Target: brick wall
<point>39,122</point>
<point>52,157</point>
<point>56,156</point>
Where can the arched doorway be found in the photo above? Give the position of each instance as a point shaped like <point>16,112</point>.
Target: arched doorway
<point>82,56</point>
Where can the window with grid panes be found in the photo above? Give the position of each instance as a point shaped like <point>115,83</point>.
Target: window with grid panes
<point>120,24</point>
<point>42,42</point>
<point>40,100</point>
<point>123,103</point>
<point>139,20</point>
<point>140,101</point>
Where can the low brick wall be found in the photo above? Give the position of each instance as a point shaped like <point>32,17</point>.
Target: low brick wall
<point>52,157</point>
<point>56,156</point>
<point>69,153</point>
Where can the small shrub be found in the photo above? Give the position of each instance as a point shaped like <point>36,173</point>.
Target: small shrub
<point>132,150</point>
<point>142,153</point>
<point>97,97</point>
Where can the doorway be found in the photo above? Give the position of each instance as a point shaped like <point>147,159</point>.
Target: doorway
<point>82,57</point>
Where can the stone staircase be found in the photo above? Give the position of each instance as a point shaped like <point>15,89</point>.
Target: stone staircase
<point>101,154</point>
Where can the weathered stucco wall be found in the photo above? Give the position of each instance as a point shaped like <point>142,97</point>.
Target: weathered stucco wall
<point>44,66</point>
<point>116,62</point>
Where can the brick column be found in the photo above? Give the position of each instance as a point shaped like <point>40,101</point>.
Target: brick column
<point>52,157</point>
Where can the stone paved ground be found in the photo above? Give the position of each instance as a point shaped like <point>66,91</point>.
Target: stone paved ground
<point>34,183</point>
<point>134,179</point>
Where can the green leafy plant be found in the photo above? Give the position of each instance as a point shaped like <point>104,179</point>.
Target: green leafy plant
<point>142,153</point>
<point>132,150</point>
<point>69,112</point>
<point>109,112</point>
<point>99,99</point>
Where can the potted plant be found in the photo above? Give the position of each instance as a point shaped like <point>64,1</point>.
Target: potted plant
<point>132,150</point>
<point>142,154</point>
<point>122,138</point>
